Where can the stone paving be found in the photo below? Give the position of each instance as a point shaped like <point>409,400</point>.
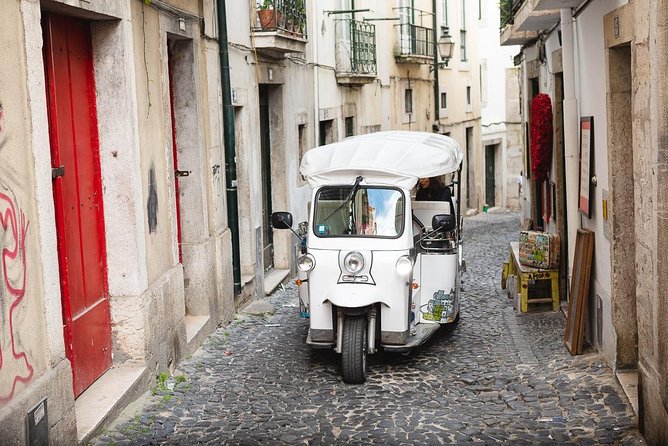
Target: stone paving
<point>496,378</point>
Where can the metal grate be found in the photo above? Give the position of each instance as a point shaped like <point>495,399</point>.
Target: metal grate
<point>416,37</point>
<point>288,16</point>
<point>355,47</point>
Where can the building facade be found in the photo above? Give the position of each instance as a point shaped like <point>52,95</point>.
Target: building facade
<point>113,233</point>
<point>143,148</point>
<point>501,125</point>
<point>603,65</point>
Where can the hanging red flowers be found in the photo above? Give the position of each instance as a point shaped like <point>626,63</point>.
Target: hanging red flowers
<point>541,136</point>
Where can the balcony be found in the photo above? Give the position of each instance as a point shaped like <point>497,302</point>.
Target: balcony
<point>522,20</point>
<point>355,52</point>
<point>415,38</point>
<point>280,26</point>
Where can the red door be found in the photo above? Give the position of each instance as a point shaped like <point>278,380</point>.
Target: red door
<point>78,197</point>
<point>175,149</point>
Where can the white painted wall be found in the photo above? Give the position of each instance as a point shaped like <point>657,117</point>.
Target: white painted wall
<point>494,60</point>
<point>590,90</point>
<point>493,100</point>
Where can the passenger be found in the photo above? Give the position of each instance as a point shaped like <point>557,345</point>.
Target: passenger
<point>432,189</point>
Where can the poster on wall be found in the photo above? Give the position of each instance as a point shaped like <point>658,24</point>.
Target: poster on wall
<point>586,150</point>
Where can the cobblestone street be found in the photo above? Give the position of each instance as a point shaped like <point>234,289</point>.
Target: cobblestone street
<point>494,379</point>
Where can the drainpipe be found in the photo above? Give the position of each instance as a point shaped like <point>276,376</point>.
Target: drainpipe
<point>571,120</point>
<point>437,123</point>
<point>230,145</point>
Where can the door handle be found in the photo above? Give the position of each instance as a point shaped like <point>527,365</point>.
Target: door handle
<point>181,173</point>
<point>57,172</point>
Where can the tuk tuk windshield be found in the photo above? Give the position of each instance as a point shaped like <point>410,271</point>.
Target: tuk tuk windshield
<point>365,211</point>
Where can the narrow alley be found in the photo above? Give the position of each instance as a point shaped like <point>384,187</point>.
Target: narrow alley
<point>496,378</point>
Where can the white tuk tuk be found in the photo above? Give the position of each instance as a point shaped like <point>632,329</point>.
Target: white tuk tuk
<point>378,269</point>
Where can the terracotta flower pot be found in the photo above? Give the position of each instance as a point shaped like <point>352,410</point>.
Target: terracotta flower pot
<point>267,18</point>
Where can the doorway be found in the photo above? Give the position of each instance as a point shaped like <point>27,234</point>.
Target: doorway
<point>620,172</point>
<point>175,152</point>
<point>265,148</point>
<point>490,175</point>
<point>536,186</point>
<point>471,201</point>
<point>561,211</point>
<point>77,190</point>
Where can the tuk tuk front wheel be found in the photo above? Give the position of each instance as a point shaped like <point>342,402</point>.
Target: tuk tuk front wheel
<point>353,353</point>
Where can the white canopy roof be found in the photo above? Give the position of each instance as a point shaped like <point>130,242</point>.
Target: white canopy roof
<point>393,158</point>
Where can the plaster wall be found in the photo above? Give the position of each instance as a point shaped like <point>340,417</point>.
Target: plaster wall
<point>33,366</point>
<point>146,282</point>
<point>494,75</point>
<point>286,78</point>
<point>500,86</point>
<point>656,427</point>
<point>590,67</point>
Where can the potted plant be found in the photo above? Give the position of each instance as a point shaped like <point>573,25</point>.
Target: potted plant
<point>265,12</point>
<point>300,17</point>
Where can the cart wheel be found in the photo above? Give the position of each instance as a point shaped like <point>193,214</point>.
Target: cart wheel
<point>353,355</point>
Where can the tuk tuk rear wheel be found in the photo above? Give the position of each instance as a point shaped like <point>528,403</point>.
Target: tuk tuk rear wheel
<point>353,353</point>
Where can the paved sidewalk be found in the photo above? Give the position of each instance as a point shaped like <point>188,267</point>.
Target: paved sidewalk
<point>494,379</point>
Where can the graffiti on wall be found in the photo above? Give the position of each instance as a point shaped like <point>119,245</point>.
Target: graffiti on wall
<point>14,365</point>
<point>152,204</point>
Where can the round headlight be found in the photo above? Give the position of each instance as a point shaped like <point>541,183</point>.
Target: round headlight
<point>354,262</point>
<point>305,263</point>
<point>404,266</point>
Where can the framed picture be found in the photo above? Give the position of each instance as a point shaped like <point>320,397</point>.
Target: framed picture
<point>586,154</point>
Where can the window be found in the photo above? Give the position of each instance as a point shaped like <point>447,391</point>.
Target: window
<point>462,46</point>
<point>365,212</point>
<point>468,95</point>
<point>301,135</point>
<point>444,100</point>
<point>301,142</point>
<point>408,101</point>
<point>350,126</point>
<point>463,27</point>
<point>326,132</point>
<point>445,12</point>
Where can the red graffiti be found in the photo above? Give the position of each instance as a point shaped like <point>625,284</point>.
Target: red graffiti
<point>13,261</point>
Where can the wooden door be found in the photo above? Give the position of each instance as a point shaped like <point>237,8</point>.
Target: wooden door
<point>77,193</point>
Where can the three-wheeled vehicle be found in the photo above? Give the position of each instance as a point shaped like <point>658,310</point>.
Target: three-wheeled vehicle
<point>378,268</point>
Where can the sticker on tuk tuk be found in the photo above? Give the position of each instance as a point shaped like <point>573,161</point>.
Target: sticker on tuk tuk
<point>439,308</point>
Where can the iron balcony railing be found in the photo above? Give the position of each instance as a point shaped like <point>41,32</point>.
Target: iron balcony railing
<point>288,16</point>
<point>355,47</point>
<point>508,10</point>
<point>416,36</point>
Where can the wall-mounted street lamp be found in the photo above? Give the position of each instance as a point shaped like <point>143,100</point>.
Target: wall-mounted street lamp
<point>446,45</point>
